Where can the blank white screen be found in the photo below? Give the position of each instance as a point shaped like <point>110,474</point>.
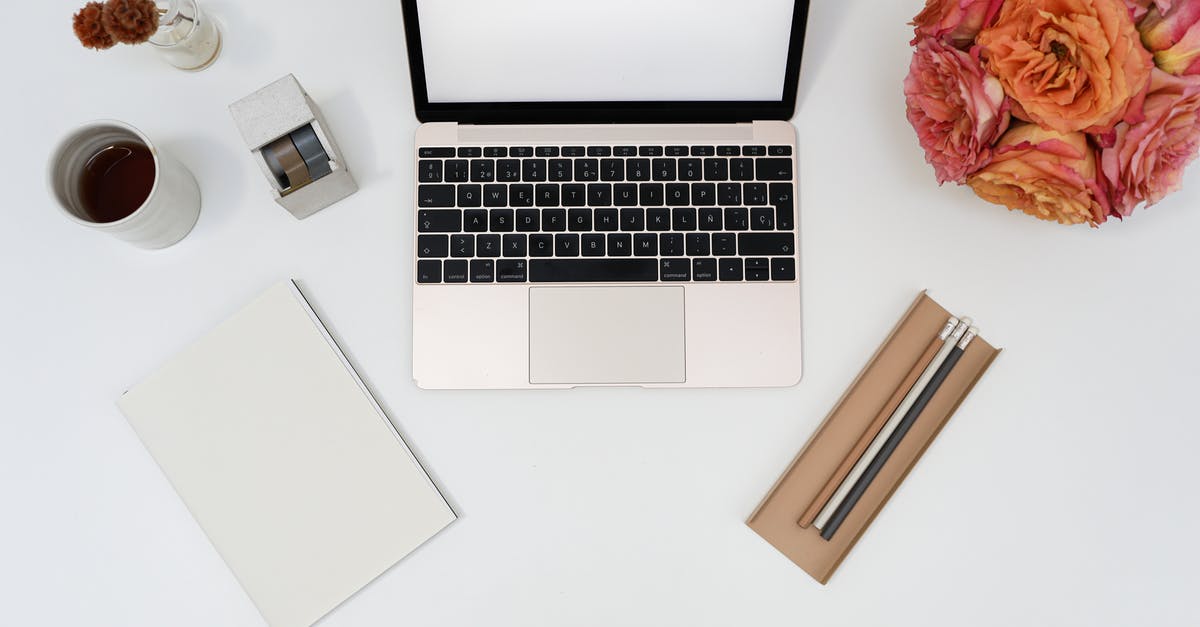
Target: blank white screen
<point>604,50</point>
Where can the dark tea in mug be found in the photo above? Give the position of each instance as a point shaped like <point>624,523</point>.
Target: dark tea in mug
<point>116,180</point>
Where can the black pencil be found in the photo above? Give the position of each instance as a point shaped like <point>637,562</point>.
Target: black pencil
<point>864,482</point>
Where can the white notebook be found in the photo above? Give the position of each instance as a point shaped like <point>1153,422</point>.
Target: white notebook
<point>281,454</point>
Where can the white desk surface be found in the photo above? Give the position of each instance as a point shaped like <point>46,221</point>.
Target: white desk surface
<point>1062,493</point>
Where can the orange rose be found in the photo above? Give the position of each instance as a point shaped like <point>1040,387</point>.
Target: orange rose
<point>1070,65</point>
<point>1046,174</point>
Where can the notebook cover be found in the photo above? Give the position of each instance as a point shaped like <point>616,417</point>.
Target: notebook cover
<point>285,460</point>
<point>776,518</point>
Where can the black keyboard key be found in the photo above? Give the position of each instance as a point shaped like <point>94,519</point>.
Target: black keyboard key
<point>645,245</point>
<point>579,220</point>
<point>475,221</point>
<point>566,245</point>
<point>683,219</point>
<point>773,169</point>
<point>528,220</point>
<point>741,169</point>
<point>508,170</point>
<point>724,244</point>
<point>762,219</point>
<point>467,153</point>
<point>677,151</point>
<point>430,172</point>
<point>487,246</point>
<point>599,194</point>
<point>670,244</point>
<point>495,195</point>
<point>520,151</point>
<point>704,194</point>
<point>729,269</point>
<point>650,151</point>
<point>500,220</point>
<point>704,269</point>
<point>785,218</point>
<point>470,196</point>
<point>554,220</point>
<point>592,245</point>
<point>691,169</point>
<point>663,169</point>
<point>783,269</point>
<point>546,195</point>
<point>758,269</point>
<point>729,194</point>
<point>612,170</point>
<point>766,244</point>
<point>429,271</point>
<point>678,194</point>
<point>754,193</point>
<point>676,269</point>
<point>780,151</point>
<point>754,151</point>
<point>520,195</point>
<point>458,171</point>
<point>633,219</point>
<point>658,219</point>
<point>625,194</point>
<point>716,169</point>
<point>637,169</point>
<point>574,195</point>
<point>495,151</point>
<point>782,198</point>
<point>650,194</point>
<point>439,221</point>
<point>541,245</point>
<point>512,271</point>
<point>703,151</point>
<point>455,271</point>
<point>728,151</point>
<point>573,151</point>
<point>607,220</point>
<point>435,153</point>
<point>546,151</point>
<point>737,219</point>
<point>599,151</point>
<point>483,170</point>
<point>533,170</point>
<point>710,219</point>
<point>625,151</point>
<point>696,245</point>
<point>514,245</point>
<point>433,247</point>
<point>435,195</point>
<point>620,245</point>
<point>462,245</point>
<point>587,170</point>
<point>560,170</point>
<point>592,270</point>
<point>483,271</point>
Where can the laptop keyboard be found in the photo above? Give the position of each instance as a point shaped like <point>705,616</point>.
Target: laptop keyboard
<point>581,214</point>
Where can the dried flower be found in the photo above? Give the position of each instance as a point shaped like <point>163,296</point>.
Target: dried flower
<point>88,27</point>
<point>130,21</point>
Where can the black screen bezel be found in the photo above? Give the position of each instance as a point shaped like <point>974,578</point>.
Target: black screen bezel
<point>602,112</point>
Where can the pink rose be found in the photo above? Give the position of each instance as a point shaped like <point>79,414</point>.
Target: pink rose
<point>957,109</point>
<point>1171,30</point>
<point>1147,159</point>
<point>955,21</point>
<point>1139,8</point>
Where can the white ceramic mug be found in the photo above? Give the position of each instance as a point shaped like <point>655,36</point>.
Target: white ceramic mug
<point>165,217</point>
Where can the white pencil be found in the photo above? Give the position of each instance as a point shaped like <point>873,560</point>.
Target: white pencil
<point>949,339</point>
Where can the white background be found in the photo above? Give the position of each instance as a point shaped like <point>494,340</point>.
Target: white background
<point>1062,493</point>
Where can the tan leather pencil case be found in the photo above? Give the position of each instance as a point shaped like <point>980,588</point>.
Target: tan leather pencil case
<point>778,518</point>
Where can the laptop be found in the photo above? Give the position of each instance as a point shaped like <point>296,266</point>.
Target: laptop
<point>606,193</point>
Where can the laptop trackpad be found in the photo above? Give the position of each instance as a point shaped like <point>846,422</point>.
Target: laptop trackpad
<point>606,335</point>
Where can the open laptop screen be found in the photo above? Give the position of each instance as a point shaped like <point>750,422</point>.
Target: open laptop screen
<point>555,55</point>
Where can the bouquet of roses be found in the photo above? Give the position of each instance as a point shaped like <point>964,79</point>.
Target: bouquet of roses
<point>1068,110</point>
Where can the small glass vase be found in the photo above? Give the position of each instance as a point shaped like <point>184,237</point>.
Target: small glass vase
<point>186,38</point>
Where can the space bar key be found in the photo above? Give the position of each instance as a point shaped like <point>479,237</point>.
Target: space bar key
<point>592,270</point>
